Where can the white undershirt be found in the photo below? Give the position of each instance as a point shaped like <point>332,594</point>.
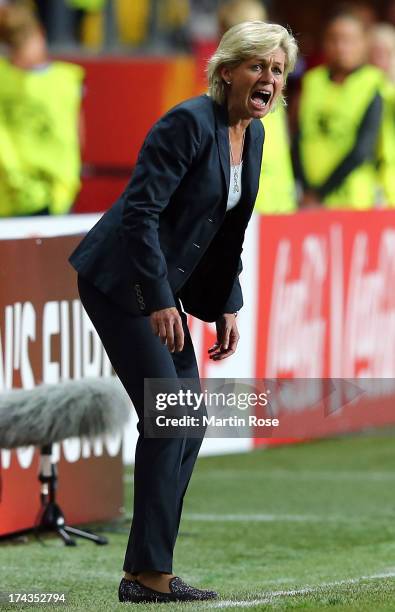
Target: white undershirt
<point>234,198</point>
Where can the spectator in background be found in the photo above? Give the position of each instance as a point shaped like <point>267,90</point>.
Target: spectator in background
<point>277,192</point>
<point>39,120</point>
<point>336,150</point>
<point>81,10</point>
<point>133,21</point>
<point>382,55</point>
<point>173,16</point>
<point>65,21</point>
<point>382,48</point>
<point>364,11</point>
<point>232,12</point>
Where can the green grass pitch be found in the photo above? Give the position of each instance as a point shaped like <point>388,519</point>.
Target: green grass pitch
<point>310,526</point>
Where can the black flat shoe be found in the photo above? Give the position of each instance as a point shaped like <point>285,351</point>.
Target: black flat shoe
<point>134,591</point>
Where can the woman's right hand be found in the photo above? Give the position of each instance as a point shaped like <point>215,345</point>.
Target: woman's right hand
<point>167,325</point>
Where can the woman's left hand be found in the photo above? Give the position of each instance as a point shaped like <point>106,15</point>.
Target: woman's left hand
<point>227,338</point>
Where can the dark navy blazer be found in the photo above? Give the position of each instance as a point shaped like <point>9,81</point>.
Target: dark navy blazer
<point>169,233</point>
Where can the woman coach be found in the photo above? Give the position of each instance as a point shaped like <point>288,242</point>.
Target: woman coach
<point>176,233</point>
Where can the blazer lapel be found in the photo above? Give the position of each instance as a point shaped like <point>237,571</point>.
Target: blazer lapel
<point>222,133</point>
<point>251,159</point>
<point>251,166</point>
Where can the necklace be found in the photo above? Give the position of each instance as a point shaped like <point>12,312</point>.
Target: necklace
<point>236,168</point>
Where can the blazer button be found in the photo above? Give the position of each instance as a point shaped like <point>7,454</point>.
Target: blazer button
<point>196,245</point>
<point>210,220</point>
<point>181,269</point>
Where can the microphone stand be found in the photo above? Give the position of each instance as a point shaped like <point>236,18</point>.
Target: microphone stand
<point>51,515</point>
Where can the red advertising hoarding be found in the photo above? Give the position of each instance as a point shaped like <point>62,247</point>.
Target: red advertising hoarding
<point>327,310</point>
<point>46,337</point>
<point>319,304</point>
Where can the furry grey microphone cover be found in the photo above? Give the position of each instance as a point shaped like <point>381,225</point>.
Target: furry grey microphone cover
<point>50,413</point>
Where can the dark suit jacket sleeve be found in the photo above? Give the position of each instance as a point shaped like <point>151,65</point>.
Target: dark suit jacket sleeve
<point>166,155</point>
<point>235,299</point>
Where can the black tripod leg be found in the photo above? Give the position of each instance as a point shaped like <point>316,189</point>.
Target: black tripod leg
<point>86,534</point>
<point>65,537</point>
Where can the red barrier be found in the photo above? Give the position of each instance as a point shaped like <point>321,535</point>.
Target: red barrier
<point>45,337</point>
<point>123,99</point>
<point>327,306</point>
<point>327,295</point>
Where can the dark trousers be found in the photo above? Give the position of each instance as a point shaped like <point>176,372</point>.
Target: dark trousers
<point>163,466</point>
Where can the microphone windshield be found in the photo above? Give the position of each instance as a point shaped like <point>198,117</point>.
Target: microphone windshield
<point>50,413</point>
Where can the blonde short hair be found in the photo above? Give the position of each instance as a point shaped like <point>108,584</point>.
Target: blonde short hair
<point>245,40</point>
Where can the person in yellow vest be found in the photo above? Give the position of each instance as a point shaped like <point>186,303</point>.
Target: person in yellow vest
<point>336,149</point>
<point>88,19</point>
<point>87,5</point>
<point>277,192</point>
<point>382,55</point>
<point>39,120</point>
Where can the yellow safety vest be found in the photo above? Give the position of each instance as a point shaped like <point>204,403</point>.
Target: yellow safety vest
<point>173,13</point>
<point>387,148</point>
<point>39,141</point>
<point>276,194</point>
<point>330,115</point>
<point>87,5</point>
<point>133,20</point>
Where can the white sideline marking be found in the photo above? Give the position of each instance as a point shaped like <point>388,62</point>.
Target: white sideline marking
<point>264,518</point>
<point>293,475</point>
<point>270,518</point>
<point>298,475</point>
<point>269,596</point>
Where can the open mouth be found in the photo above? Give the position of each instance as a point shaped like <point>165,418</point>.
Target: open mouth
<point>260,98</point>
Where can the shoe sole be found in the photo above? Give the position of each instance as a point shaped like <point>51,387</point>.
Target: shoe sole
<point>158,599</point>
